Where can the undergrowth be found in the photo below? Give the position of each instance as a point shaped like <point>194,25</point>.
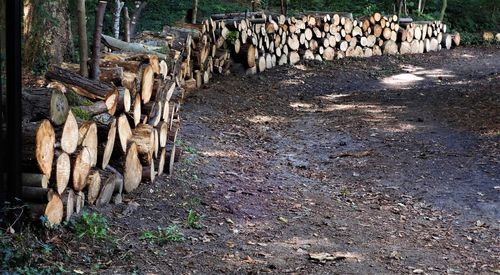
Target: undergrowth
<point>163,236</point>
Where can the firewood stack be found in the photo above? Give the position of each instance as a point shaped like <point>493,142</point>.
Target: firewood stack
<point>90,141</point>
<point>259,41</point>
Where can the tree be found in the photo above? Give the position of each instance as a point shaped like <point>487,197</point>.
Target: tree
<point>96,49</point>
<point>116,17</point>
<point>135,17</point>
<point>443,9</point>
<point>82,33</point>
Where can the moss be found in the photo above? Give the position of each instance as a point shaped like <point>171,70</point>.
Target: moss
<point>75,99</point>
<point>81,114</point>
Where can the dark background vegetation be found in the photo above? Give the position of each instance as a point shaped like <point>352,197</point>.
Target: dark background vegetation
<point>44,43</point>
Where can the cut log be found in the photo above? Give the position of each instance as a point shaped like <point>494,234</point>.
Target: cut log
<point>93,186</point>
<point>34,180</point>
<point>39,137</point>
<point>124,132</point>
<point>147,84</point>
<point>92,89</point>
<point>68,199</point>
<point>447,41</point>
<point>68,136</point>
<point>61,172</point>
<point>108,180</point>
<point>161,161</point>
<point>53,210</point>
<point>36,194</point>
<point>81,164</point>
<point>390,48</point>
<point>120,45</point>
<point>149,173</point>
<point>88,139</point>
<point>45,103</point>
<point>456,39</point>
<point>170,159</point>
<point>143,137</point>
<point>132,174</point>
<point>109,127</point>
<point>294,58</point>
<point>247,51</point>
<point>79,201</point>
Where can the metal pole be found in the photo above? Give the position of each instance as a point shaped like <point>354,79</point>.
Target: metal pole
<point>14,86</point>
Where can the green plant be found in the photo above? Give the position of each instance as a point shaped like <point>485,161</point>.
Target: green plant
<point>194,219</point>
<point>93,226</point>
<point>191,150</point>
<point>232,36</point>
<point>79,113</point>
<point>163,235</point>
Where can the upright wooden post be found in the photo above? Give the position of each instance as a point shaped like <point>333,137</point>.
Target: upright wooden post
<point>96,50</point>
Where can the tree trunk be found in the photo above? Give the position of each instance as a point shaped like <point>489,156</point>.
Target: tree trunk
<point>116,17</point>
<point>96,50</point>
<point>126,31</point>
<point>443,10</point>
<point>82,34</point>
<point>195,11</point>
<point>117,44</point>
<point>135,17</point>
<point>92,89</point>
<point>45,103</point>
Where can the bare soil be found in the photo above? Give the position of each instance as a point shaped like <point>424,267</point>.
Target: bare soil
<point>393,163</point>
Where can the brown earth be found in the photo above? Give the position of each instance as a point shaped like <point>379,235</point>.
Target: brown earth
<point>391,164</point>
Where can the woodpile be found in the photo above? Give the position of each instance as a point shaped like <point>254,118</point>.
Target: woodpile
<point>91,141</point>
<point>259,41</point>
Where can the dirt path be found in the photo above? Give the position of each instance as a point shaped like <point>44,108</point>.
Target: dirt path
<point>392,160</point>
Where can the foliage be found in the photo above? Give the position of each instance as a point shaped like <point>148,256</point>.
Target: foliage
<point>232,36</point>
<point>194,219</point>
<point>81,114</point>
<point>163,235</point>
<point>21,253</point>
<point>93,226</point>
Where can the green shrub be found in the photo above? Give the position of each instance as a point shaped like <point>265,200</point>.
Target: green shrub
<point>163,235</point>
<point>93,226</point>
<point>194,219</point>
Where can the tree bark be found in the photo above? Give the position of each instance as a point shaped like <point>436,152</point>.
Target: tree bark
<point>135,17</point>
<point>443,10</point>
<point>126,31</point>
<point>117,44</point>
<point>96,50</point>
<point>92,89</point>
<point>195,11</point>
<point>116,17</point>
<point>82,33</point>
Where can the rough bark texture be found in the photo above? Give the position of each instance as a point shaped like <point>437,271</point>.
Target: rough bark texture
<point>82,34</point>
<point>96,49</point>
<point>116,17</point>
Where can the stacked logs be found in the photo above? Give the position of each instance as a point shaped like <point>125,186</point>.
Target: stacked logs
<point>90,141</point>
<point>259,41</point>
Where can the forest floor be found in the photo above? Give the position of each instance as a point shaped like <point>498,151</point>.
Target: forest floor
<point>390,165</point>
